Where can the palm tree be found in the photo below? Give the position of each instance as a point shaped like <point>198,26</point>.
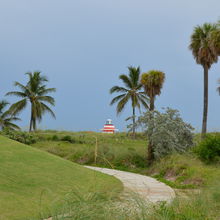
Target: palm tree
<point>6,119</point>
<point>216,39</point>
<point>35,92</point>
<point>153,82</point>
<point>205,52</point>
<point>132,91</point>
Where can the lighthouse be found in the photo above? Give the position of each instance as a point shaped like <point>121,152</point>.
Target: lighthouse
<point>109,127</point>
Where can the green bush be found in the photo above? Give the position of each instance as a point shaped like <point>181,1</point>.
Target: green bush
<point>209,149</point>
<point>20,136</point>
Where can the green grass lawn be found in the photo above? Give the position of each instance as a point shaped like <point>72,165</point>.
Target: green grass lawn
<point>34,182</point>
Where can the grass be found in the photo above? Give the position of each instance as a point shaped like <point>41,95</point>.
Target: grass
<point>122,152</point>
<point>119,151</point>
<point>204,206</point>
<point>184,171</point>
<point>33,181</point>
<point>114,151</point>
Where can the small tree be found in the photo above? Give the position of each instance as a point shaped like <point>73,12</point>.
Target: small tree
<point>168,132</point>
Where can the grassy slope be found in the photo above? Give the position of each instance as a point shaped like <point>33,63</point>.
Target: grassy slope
<point>184,171</point>
<point>117,151</point>
<point>178,171</point>
<point>31,180</point>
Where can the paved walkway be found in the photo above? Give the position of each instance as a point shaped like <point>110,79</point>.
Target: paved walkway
<point>148,188</point>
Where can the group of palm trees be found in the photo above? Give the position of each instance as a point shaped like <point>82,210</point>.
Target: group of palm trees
<point>142,90</point>
<point>34,92</point>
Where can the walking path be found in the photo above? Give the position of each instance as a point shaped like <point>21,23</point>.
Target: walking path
<point>148,188</point>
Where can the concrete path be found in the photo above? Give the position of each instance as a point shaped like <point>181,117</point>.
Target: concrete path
<point>148,188</point>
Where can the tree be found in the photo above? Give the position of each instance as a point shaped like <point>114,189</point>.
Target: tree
<point>167,132</point>
<point>204,49</point>
<point>6,119</point>
<point>153,83</point>
<point>215,39</point>
<point>35,92</point>
<point>132,91</point>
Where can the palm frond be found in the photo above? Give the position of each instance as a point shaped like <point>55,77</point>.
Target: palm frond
<point>48,99</point>
<point>134,74</point>
<point>11,126</point>
<point>126,81</point>
<point>16,93</point>
<point>122,103</point>
<point>144,101</point>
<point>118,89</point>
<point>45,108</point>
<point>3,104</point>
<point>117,98</point>
<point>44,91</point>
<point>22,87</point>
<point>17,107</point>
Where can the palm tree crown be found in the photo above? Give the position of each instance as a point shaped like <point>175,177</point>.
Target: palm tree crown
<point>35,92</point>
<point>202,44</point>
<point>6,119</point>
<point>153,82</point>
<point>132,91</point>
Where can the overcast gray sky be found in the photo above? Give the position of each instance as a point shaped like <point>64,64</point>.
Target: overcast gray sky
<point>83,46</point>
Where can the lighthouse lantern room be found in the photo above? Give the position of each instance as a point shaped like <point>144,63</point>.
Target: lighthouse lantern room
<point>109,127</point>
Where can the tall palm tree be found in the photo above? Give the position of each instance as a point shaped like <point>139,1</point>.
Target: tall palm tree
<point>132,91</point>
<point>153,83</point>
<point>35,92</point>
<point>216,38</point>
<point>205,52</point>
<point>6,119</point>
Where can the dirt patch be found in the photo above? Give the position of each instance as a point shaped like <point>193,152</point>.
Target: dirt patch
<point>195,181</point>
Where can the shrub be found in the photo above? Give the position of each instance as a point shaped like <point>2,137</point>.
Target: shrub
<point>55,138</point>
<point>209,149</point>
<point>67,138</point>
<point>20,136</point>
<point>167,132</point>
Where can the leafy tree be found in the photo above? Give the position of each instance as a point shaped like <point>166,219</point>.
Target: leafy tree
<point>132,91</point>
<point>167,132</point>
<point>204,48</point>
<point>153,83</point>
<point>35,92</point>
<point>6,119</point>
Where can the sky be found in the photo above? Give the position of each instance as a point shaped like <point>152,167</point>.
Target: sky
<point>83,46</point>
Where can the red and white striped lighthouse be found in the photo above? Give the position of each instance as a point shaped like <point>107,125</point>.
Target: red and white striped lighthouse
<point>109,127</point>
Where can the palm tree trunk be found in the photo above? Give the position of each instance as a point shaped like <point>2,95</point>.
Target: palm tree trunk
<point>31,122</point>
<point>152,103</point>
<point>150,154</point>
<point>205,104</point>
<point>133,128</point>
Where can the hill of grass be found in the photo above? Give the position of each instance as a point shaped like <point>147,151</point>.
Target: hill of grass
<point>113,150</point>
<point>33,181</point>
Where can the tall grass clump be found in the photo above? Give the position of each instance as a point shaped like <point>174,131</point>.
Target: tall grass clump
<point>99,206</point>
